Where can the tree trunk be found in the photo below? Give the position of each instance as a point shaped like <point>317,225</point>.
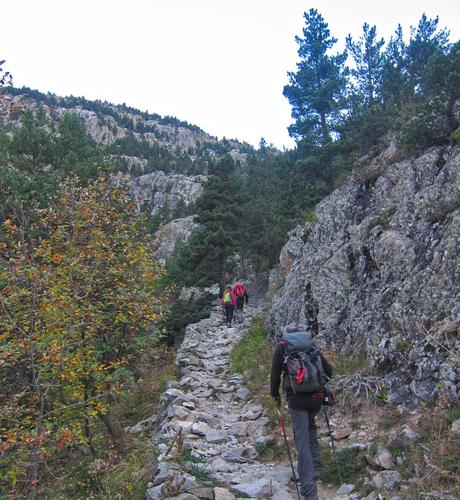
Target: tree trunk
<point>37,389</point>
<point>116,432</point>
<point>324,129</point>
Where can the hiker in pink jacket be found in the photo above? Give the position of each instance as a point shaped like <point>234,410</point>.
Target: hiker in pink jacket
<point>228,303</point>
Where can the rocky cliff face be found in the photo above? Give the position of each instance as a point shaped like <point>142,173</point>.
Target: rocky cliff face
<point>379,272</point>
<point>174,232</point>
<point>161,143</point>
<point>166,191</point>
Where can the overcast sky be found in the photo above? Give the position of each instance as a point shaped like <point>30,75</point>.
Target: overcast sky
<point>219,64</point>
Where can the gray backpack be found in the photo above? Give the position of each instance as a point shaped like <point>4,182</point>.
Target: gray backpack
<point>304,370</point>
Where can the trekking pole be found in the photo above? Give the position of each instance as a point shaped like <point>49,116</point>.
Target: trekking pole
<point>334,452</point>
<point>283,430</point>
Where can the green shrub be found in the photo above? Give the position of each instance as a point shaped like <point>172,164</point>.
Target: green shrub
<point>429,127</point>
<point>107,477</point>
<point>382,219</point>
<point>188,456</point>
<point>253,355</point>
<point>455,137</point>
<point>183,313</point>
<point>350,461</point>
<point>310,216</point>
<point>248,349</point>
<point>201,474</point>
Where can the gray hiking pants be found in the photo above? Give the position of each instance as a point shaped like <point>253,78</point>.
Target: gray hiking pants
<point>239,315</point>
<point>308,452</point>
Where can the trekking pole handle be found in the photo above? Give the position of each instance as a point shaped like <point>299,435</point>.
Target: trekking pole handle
<point>281,422</point>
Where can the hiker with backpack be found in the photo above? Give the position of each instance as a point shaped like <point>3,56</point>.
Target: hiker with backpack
<point>241,296</point>
<point>228,304</point>
<point>305,372</point>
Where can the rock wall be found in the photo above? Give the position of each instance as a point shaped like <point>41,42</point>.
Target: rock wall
<point>172,233</point>
<point>379,272</point>
<point>166,191</point>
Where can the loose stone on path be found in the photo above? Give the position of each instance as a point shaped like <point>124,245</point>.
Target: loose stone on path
<point>221,426</point>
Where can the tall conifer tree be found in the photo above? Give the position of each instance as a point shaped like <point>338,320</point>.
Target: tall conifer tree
<point>206,258</point>
<point>316,89</point>
<point>369,59</point>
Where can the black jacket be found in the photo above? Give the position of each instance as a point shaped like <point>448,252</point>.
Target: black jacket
<point>300,400</point>
<point>240,299</point>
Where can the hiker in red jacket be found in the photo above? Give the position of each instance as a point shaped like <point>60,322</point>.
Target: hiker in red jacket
<point>241,296</point>
<point>228,303</point>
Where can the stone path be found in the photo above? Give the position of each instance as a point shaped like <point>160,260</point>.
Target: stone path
<point>211,427</point>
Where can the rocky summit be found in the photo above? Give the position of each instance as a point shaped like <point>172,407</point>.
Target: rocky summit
<point>377,272</point>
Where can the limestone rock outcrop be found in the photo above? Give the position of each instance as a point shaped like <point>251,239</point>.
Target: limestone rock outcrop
<point>162,191</point>
<point>172,233</point>
<point>378,273</point>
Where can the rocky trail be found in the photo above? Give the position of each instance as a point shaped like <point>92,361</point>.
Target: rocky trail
<point>212,427</point>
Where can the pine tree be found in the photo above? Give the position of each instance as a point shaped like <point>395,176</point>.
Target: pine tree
<point>369,59</point>
<point>31,144</point>
<point>425,41</point>
<point>316,90</point>
<point>206,258</point>
<point>72,150</point>
<point>395,87</point>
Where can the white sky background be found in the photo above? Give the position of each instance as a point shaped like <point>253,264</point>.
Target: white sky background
<point>218,64</point>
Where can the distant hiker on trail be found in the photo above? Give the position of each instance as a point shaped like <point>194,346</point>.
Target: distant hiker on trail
<point>305,371</point>
<point>228,303</point>
<point>241,295</point>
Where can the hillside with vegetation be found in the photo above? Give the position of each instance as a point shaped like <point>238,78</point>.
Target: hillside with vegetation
<point>87,313</point>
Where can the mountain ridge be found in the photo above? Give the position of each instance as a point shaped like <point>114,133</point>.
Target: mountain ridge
<point>120,127</point>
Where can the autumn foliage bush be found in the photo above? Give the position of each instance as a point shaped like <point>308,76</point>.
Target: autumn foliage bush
<point>79,302</point>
